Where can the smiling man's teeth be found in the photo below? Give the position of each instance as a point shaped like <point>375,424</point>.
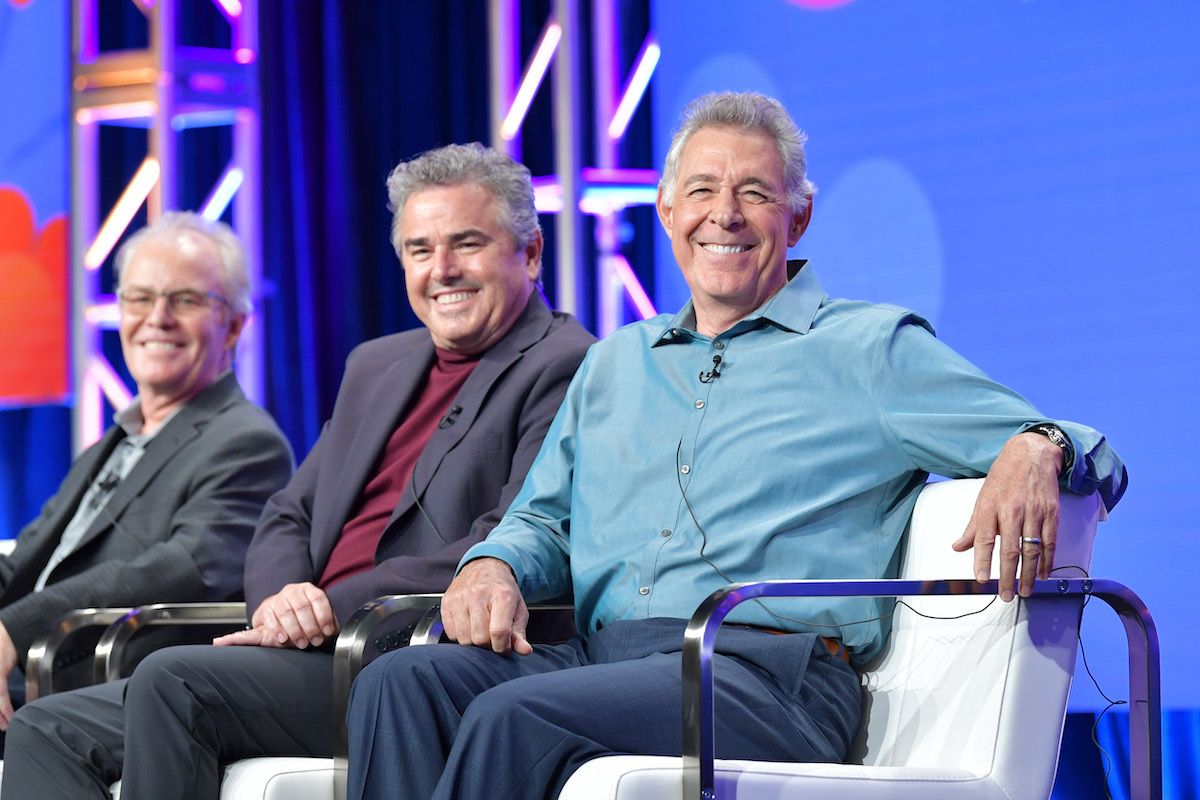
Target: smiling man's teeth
<point>725,249</point>
<point>453,297</point>
<point>160,345</point>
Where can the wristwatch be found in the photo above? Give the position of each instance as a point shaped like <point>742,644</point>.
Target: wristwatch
<point>1056,435</point>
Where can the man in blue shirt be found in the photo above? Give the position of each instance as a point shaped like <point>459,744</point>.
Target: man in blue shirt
<point>765,431</point>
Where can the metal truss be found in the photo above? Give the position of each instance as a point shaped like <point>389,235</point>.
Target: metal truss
<point>604,190</point>
<point>166,88</point>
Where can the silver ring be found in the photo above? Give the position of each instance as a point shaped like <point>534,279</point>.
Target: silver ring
<point>1031,540</point>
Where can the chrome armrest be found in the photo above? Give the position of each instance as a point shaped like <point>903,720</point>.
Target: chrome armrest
<point>352,644</point>
<point>1145,711</point>
<point>111,647</point>
<point>39,664</point>
<point>348,662</point>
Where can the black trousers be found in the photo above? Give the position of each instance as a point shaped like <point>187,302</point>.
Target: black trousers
<point>169,730</point>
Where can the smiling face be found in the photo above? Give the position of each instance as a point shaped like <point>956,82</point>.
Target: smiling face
<point>730,225</point>
<point>466,279</point>
<point>174,357</point>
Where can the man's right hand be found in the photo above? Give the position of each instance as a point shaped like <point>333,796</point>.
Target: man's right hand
<point>299,615</point>
<point>484,607</point>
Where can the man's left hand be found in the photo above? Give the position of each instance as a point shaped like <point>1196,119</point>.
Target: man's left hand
<point>8,662</point>
<point>1019,500</point>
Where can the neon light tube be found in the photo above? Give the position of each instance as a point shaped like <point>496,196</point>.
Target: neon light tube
<point>122,213</point>
<point>531,81</point>
<point>633,287</point>
<point>643,69</point>
<point>222,193</point>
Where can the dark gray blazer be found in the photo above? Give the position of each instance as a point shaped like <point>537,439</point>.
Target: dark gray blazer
<point>175,529</point>
<point>465,478</point>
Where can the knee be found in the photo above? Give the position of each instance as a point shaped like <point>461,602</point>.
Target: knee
<point>165,677</point>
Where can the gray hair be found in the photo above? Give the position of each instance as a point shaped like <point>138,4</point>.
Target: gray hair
<point>507,181</point>
<point>231,252</point>
<point>747,111</point>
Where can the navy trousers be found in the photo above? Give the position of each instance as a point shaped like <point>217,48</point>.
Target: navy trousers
<point>449,721</point>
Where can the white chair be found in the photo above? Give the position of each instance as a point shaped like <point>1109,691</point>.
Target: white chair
<point>959,707</point>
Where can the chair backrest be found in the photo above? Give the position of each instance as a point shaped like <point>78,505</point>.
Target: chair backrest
<point>979,691</point>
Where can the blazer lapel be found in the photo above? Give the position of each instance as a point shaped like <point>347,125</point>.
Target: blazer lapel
<point>391,396</point>
<point>528,330</point>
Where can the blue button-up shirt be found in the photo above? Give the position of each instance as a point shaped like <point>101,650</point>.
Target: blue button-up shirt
<point>659,482</point>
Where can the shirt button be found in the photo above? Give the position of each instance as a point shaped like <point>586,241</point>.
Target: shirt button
<point>666,533</point>
<point>644,590</point>
<point>699,404</point>
<point>719,345</point>
<point>685,469</point>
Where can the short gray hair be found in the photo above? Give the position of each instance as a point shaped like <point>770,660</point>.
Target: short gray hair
<point>231,252</point>
<point>507,181</point>
<point>747,111</point>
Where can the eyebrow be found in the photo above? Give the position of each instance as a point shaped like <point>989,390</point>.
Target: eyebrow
<point>751,180</point>
<point>455,238</point>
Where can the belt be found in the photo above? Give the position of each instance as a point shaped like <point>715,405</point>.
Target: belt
<point>834,646</point>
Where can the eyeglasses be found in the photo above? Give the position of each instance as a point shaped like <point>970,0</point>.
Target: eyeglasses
<point>137,302</point>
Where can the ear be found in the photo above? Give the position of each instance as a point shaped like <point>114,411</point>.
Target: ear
<point>237,323</point>
<point>664,211</point>
<point>533,256</point>
<point>799,223</point>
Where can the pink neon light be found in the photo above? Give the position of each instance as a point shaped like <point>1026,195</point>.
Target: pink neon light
<point>531,80</point>
<point>118,219</point>
<point>103,314</point>
<point>244,55</point>
<point>113,387</point>
<point>222,193</point>
<point>141,109</point>
<point>232,8</point>
<point>633,287</point>
<point>643,69</point>
<point>89,415</point>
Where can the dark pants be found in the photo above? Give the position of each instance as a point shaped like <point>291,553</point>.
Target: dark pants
<point>448,721</point>
<point>169,730</point>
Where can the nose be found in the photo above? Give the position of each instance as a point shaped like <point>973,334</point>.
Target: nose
<point>446,268</point>
<point>726,209</point>
<point>160,313</point>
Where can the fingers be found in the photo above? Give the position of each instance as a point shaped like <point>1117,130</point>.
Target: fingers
<point>253,637</point>
<point>6,707</point>
<point>483,607</point>
<point>300,615</point>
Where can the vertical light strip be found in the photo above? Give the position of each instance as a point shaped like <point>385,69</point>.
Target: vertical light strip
<point>110,383</point>
<point>633,287</point>
<point>216,203</point>
<point>643,69</point>
<point>531,80</point>
<point>119,218</point>
<point>90,423</point>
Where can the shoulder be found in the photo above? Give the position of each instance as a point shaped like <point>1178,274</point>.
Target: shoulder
<point>859,317</point>
<point>565,337</point>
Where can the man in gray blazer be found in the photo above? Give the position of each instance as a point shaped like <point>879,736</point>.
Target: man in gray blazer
<point>163,506</point>
<point>431,436</point>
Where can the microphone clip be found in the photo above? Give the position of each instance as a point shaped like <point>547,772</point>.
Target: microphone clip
<point>713,374</point>
<point>448,420</point>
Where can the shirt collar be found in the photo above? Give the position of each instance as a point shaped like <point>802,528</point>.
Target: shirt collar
<point>131,419</point>
<point>793,308</point>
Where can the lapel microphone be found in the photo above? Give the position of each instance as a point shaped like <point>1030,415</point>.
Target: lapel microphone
<point>709,377</point>
<point>448,420</point>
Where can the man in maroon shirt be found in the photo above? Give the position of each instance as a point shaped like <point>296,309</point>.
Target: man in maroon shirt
<point>430,439</point>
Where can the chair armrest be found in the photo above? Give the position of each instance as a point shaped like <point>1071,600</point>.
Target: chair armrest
<point>1145,712</point>
<point>111,647</point>
<point>39,664</point>
<point>348,662</point>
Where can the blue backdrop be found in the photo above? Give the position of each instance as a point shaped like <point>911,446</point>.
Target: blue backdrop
<point>1023,173</point>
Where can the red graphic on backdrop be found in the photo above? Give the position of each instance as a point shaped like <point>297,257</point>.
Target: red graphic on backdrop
<point>33,303</point>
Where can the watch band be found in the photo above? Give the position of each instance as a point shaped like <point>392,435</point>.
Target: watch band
<point>1056,435</point>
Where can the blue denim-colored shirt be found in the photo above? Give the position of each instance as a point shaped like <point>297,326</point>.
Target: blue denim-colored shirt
<point>803,459</point>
